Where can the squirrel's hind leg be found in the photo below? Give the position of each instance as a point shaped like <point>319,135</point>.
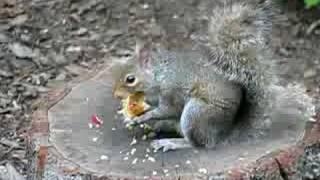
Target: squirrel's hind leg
<point>206,124</point>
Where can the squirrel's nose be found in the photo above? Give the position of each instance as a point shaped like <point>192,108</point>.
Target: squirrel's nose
<point>116,94</point>
<point>119,94</point>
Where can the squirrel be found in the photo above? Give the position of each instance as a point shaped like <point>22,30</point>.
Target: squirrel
<point>224,81</point>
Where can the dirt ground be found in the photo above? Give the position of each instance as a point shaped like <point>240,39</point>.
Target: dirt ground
<point>46,43</point>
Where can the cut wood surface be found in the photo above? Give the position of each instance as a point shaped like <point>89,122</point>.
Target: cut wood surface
<point>64,145</point>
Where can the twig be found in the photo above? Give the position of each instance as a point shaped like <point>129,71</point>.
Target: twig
<point>313,26</point>
<point>2,156</point>
<point>282,172</point>
<point>12,146</point>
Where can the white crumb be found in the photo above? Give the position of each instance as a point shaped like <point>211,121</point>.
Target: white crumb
<point>155,151</point>
<point>104,157</point>
<point>135,161</point>
<point>144,137</point>
<point>133,142</point>
<point>151,159</point>
<point>165,171</point>
<point>95,139</point>
<point>133,151</point>
<point>145,6</point>
<point>154,173</point>
<point>113,129</point>
<point>148,150</point>
<point>90,125</point>
<point>203,171</point>
<point>177,165</point>
<point>126,158</point>
<point>188,162</point>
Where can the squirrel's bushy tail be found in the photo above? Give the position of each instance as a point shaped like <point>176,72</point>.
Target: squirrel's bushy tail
<point>238,38</point>
<point>241,25</point>
<point>239,49</point>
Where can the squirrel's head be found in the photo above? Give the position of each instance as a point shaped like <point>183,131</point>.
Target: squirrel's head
<point>133,75</point>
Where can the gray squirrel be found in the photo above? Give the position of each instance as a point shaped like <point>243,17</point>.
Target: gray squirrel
<point>205,91</point>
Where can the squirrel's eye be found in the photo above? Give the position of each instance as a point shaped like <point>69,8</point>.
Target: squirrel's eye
<point>130,79</point>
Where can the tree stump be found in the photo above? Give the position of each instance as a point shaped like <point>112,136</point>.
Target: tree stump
<point>63,146</point>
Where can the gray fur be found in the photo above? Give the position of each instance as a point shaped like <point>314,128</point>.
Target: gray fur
<point>205,87</point>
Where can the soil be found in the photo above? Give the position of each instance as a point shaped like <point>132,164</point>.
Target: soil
<point>46,43</point>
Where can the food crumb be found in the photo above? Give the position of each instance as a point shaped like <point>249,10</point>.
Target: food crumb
<point>104,157</point>
<point>113,129</point>
<point>165,171</point>
<point>90,125</point>
<point>154,173</point>
<point>126,158</point>
<point>177,165</point>
<point>148,150</point>
<point>95,139</point>
<point>135,161</point>
<point>145,6</point>
<point>133,142</point>
<point>133,151</point>
<point>188,162</point>
<point>155,150</point>
<point>144,137</point>
<point>151,159</point>
<point>203,171</point>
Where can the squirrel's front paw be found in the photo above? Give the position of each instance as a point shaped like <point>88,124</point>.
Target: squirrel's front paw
<point>141,119</point>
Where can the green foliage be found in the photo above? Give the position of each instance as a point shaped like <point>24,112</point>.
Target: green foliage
<point>311,3</point>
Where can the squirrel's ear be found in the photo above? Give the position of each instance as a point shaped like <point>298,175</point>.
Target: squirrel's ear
<point>142,52</point>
